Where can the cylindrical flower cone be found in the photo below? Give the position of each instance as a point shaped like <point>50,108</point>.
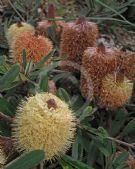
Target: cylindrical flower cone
<point>97,62</point>
<point>3,158</point>
<point>44,122</point>
<point>115,92</point>
<point>35,46</point>
<point>128,65</point>
<point>43,26</point>
<point>76,37</point>
<point>16,29</point>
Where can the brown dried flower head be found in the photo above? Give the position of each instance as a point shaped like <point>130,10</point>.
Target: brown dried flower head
<point>97,62</point>
<point>43,25</point>
<point>128,65</point>
<point>76,37</point>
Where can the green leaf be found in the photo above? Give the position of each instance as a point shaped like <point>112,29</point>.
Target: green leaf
<point>43,71</point>
<point>63,95</point>
<point>9,77</point>
<point>43,83</point>
<point>65,165</point>
<point>129,128</point>
<point>120,159</point>
<point>6,107</point>
<point>51,32</point>
<point>75,147</point>
<point>102,132</point>
<point>2,60</point>
<point>50,67</point>
<point>118,122</point>
<point>5,129</point>
<point>4,68</point>
<point>28,68</point>
<point>75,163</point>
<point>43,60</point>
<point>95,152</point>
<point>101,145</point>
<point>86,113</point>
<point>27,160</point>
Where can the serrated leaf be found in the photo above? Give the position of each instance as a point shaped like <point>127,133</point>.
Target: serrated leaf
<point>6,107</point>
<point>2,60</point>
<point>28,68</point>
<point>129,128</point>
<point>43,83</point>
<point>63,95</point>
<point>9,77</point>
<point>101,145</point>
<point>75,147</point>
<point>43,60</point>
<point>43,71</point>
<point>5,129</point>
<point>86,113</point>
<point>75,163</point>
<point>65,165</point>
<point>76,103</point>
<point>27,160</point>
<point>120,159</point>
<point>118,122</point>
<point>91,148</point>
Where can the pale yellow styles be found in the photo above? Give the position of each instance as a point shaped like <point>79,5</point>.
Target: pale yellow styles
<point>115,94</point>
<point>44,122</point>
<point>2,157</point>
<point>15,30</point>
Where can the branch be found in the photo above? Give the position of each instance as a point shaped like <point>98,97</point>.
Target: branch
<point>122,142</point>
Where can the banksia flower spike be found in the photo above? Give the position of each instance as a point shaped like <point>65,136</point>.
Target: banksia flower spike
<point>97,62</point>
<point>2,157</point>
<point>116,90</point>
<point>43,26</point>
<point>76,37</point>
<point>128,65</point>
<point>44,122</point>
<point>35,46</point>
<point>16,29</point>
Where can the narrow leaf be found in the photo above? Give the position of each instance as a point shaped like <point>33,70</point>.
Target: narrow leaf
<point>9,77</point>
<point>27,160</point>
<point>43,83</point>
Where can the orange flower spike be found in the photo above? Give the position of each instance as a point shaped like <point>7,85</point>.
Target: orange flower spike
<point>45,24</point>
<point>35,46</point>
<point>76,37</point>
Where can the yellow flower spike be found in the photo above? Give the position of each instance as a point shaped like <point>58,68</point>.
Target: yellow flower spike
<point>44,122</point>
<point>115,93</point>
<point>16,29</point>
<point>2,156</point>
